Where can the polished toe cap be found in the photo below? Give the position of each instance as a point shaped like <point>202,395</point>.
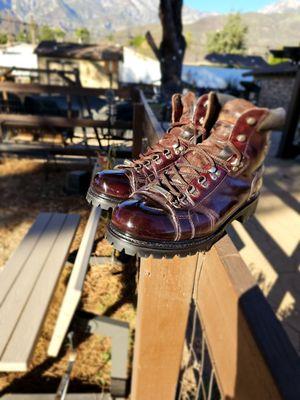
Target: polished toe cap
<point>112,183</point>
<point>143,219</point>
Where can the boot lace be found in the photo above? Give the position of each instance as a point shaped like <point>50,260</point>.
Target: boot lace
<point>176,180</point>
<point>153,153</point>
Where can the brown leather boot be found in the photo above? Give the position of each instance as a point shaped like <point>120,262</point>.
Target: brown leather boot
<point>213,183</point>
<point>190,120</point>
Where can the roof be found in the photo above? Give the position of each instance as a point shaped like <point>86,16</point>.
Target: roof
<point>236,60</point>
<point>94,52</point>
<point>291,52</point>
<point>285,68</point>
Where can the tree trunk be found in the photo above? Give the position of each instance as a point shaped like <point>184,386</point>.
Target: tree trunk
<point>172,47</point>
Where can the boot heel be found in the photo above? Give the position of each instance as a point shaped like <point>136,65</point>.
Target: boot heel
<point>247,212</point>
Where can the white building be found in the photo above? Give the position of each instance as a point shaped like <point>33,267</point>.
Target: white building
<point>137,68</point>
<point>20,56</point>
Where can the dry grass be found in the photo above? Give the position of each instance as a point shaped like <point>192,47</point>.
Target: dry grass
<point>25,191</point>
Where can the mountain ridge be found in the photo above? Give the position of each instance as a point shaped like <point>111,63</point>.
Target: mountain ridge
<point>96,15</point>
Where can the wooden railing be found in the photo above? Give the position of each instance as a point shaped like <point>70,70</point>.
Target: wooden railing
<point>245,352</point>
<point>145,124</point>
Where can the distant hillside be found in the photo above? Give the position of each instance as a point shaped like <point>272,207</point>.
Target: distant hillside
<point>272,27</point>
<point>97,15</point>
<point>266,31</point>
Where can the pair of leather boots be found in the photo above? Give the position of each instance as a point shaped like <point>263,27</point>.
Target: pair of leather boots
<point>179,197</point>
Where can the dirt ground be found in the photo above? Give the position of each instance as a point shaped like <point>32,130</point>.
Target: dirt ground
<point>26,188</point>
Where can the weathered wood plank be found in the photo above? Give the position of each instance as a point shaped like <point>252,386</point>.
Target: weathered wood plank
<point>164,296</point>
<point>138,117</point>
<point>17,298</point>
<point>37,121</point>
<point>36,88</point>
<point>151,127</point>
<point>75,284</point>
<point>13,266</point>
<point>21,344</point>
<point>251,353</point>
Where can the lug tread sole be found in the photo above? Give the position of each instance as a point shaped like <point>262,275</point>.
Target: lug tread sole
<point>99,201</point>
<point>170,249</point>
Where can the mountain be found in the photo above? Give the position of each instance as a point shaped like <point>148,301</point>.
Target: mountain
<point>97,15</point>
<point>265,31</point>
<point>281,6</point>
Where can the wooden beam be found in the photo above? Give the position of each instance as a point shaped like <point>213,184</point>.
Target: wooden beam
<point>151,126</point>
<point>36,88</point>
<point>164,296</point>
<point>44,150</point>
<point>37,121</point>
<point>138,118</point>
<point>75,284</point>
<point>251,354</point>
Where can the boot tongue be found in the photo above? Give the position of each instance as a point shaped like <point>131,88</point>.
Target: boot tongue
<point>188,103</point>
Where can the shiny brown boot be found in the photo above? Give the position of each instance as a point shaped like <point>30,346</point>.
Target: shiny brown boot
<point>191,119</point>
<point>213,183</point>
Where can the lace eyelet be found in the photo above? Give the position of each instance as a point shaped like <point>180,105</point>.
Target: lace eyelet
<point>203,182</point>
<point>138,167</point>
<point>175,203</point>
<point>147,163</point>
<point>181,198</point>
<point>214,177</point>
<point>167,153</point>
<point>212,170</point>
<point>156,159</point>
<point>191,189</point>
<point>178,150</point>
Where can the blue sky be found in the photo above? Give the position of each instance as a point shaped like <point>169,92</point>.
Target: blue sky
<point>225,6</point>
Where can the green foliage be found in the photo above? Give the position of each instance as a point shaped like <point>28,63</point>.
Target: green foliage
<point>275,60</point>
<point>137,41</point>
<point>59,34</point>
<point>46,33</point>
<point>83,35</point>
<point>3,38</point>
<point>231,39</point>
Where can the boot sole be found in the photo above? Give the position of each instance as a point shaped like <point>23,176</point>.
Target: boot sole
<point>182,248</point>
<point>105,203</point>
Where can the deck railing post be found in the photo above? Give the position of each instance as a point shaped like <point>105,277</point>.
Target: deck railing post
<point>164,296</point>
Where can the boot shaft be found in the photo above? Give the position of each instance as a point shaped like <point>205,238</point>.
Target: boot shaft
<point>241,135</point>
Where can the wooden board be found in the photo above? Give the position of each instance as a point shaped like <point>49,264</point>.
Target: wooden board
<point>252,355</point>
<point>164,296</point>
<point>10,271</point>
<point>36,121</point>
<point>37,88</point>
<point>75,284</point>
<point>151,126</point>
<point>19,349</point>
